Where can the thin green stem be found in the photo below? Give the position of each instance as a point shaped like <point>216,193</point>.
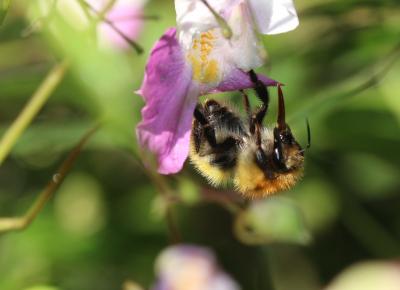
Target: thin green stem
<point>173,231</point>
<point>103,12</point>
<point>226,30</point>
<point>100,17</point>
<point>19,223</point>
<point>4,6</point>
<point>166,193</point>
<point>31,109</point>
<point>84,7</point>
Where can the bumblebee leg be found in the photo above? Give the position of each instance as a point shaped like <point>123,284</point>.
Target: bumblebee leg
<point>263,95</point>
<point>212,106</point>
<point>199,115</point>
<point>260,88</point>
<point>206,127</point>
<point>246,104</point>
<point>257,117</point>
<point>197,134</point>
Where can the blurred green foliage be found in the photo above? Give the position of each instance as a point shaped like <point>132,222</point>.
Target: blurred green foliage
<point>4,7</point>
<point>106,224</point>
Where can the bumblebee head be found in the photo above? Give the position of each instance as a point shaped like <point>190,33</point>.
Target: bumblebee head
<point>287,154</point>
<point>276,167</point>
<point>279,159</point>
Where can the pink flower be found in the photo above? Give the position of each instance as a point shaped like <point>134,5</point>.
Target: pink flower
<point>196,59</point>
<point>127,18</point>
<point>190,268</point>
<point>125,15</point>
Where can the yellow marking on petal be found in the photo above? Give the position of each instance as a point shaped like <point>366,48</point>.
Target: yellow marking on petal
<point>205,70</point>
<point>196,68</point>
<point>211,72</point>
<point>195,44</point>
<point>207,35</point>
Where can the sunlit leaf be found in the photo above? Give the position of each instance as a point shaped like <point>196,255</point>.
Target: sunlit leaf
<point>271,220</point>
<point>79,205</point>
<point>188,191</point>
<point>370,176</point>
<point>318,202</point>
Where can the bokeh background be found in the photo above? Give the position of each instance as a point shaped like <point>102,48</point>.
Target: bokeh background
<point>111,217</point>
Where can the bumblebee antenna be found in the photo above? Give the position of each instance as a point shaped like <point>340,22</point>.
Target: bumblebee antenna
<point>308,134</point>
<point>308,137</point>
<point>281,109</point>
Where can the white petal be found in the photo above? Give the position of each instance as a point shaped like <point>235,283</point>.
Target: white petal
<point>193,17</point>
<point>246,51</point>
<point>213,57</point>
<point>274,16</point>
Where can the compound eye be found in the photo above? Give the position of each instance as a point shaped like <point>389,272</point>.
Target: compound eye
<point>278,158</point>
<point>286,136</point>
<point>277,154</point>
<point>262,162</point>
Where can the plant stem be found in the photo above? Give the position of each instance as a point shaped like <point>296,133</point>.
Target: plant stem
<point>19,223</point>
<point>31,109</point>
<point>173,231</point>
<point>166,193</point>
<point>103,12</point>
<point>84,7</point>
<point>100,17</point>
<point>226,30</point>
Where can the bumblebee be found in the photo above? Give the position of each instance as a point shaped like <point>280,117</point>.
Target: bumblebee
<point>227,148</point>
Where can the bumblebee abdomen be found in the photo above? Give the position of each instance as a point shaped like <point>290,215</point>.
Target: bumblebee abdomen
<point>217,172</point>
<point>216,135</point>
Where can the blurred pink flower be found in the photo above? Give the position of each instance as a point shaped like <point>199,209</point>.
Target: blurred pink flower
<point>126,16</point>
<point>190,268</point>
<point>196,59</point>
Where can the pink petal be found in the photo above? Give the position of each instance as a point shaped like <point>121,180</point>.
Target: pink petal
<point>185,267</point>
<point>240,80</point>
<point>170,102</point>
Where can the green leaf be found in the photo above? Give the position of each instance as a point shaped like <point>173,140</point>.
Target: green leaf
<point>371,177</point>
<point>188,191</point>
<point>318,202</point>
<point>272,220</point>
